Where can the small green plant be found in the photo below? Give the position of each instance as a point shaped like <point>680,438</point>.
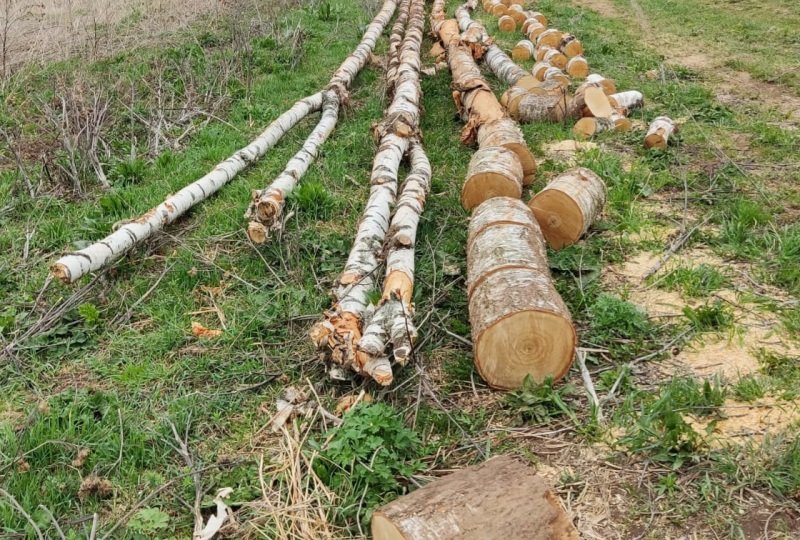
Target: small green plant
<point>130,171</point>
<point>536,403</point>
<point>366,458</point>
<point>89,313</point>
<point>148,521</point>
<point>699,281</point>
<point>667,484</point>
<point>711,317</point>
<point>661,431</point>
<point>620,326</point>
<point>314,199</point>
<point>325,11</point>
<point>748,388</point>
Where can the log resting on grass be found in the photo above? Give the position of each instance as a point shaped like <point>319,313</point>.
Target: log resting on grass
<point>338,334</point>
<point>659,133</point>
<point>73,266</point>
<point>393,319</point>
<point>266,208</point>
<point>568,205</point>
<point>500,499</point>
<point>520,325</point>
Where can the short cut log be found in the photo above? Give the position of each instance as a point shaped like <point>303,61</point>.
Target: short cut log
<point>494,171</point>
<point>568,205</point>
<point>520,325</point>
<point>659,133</point>
<point>499,499</point>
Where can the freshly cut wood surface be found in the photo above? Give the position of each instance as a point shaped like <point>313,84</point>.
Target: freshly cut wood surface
<point>506,133</point>
<point>493,171</point>
<point>499,499</point>
<point>520,325</point>
<point>659,132</point>
<point>568,205</point>
<point>578,67</point>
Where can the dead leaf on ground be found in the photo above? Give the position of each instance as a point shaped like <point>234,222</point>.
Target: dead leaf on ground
<point>80,459</point>
<point>347,402</point>
<point>95,485</point>
<point>198,330</point>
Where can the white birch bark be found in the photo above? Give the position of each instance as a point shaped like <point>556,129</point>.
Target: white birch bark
<point>73,266</point>
<point>659,132</point>
<point>339,332</point>
<point>393,319</point>
<point>266,207</point>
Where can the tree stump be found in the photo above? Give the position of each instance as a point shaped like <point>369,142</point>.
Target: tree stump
<point>499,499</point>
<point>520,325</point>
<point>494,171</point>
<point>567,206</point>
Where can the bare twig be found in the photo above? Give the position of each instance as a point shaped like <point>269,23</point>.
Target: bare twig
<point>15,504</point>
<point>674,247</point>
<point>587,382</point>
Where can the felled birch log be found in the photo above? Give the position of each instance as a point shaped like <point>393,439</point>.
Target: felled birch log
<point>494,171</point>
<point>624,102</point>
<point>570,46</point>
<point>337,335</point>
<point>549,38</point>
<point>520,325</point>
<point>590,126</point>
<point>578,67</point>
<point>506,133</point>
<point>659,133</point>
<point>523,50</point>
<point>499,499</point>
<point>506,23</point>
<point>568,205</point>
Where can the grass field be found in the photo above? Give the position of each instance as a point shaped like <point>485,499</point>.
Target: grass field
<point>696,367</point>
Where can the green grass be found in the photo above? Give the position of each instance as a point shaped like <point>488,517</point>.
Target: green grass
<point>112,388</point>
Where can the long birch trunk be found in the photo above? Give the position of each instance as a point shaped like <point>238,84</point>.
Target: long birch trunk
<point>340,331</point>
<point>393,320</point>
<point>73,266</point>
<point>266,208</point>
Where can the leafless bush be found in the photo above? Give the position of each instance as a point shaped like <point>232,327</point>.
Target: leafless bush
<point>78,117</point>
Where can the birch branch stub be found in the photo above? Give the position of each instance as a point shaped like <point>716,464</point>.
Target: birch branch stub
<point>499,499</point>
<point>494,171</point>
<point>567,206</point>
<point>659,132</point>
<point>520,324</point>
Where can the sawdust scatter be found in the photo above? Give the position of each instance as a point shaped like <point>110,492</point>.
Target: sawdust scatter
<point>742,422</point>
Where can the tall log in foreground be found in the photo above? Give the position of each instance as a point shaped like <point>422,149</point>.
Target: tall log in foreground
<point>73,266</point>
<point>520,325</point>
<point>568,205</point>
<point>499,499</point>
<point>337,335</point>
<point>659,133</point>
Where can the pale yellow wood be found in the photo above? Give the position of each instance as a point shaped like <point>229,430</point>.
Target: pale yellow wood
<point>520,325</point>
<point>499,499</point>
<point>494,171</point>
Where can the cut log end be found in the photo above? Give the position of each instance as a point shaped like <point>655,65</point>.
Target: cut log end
<point>568,205</point>
<point>559,217</point>
<point>527,343</point>
<point>61,273</point>
<point>506,23</point>
<point>494,171</point>
<point>257,233</point>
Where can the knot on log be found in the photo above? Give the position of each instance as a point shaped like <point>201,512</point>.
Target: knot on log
<point>400,123</point>
<point>341,93</point>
